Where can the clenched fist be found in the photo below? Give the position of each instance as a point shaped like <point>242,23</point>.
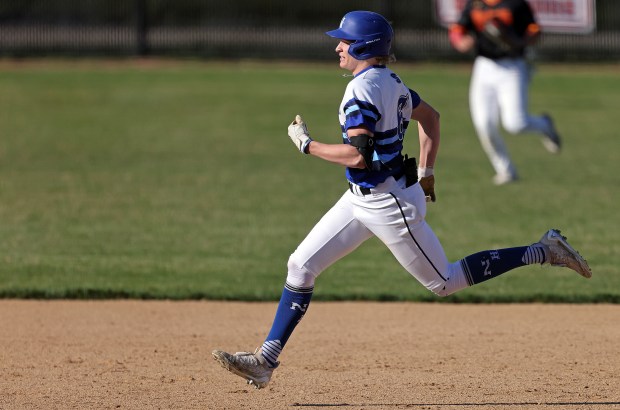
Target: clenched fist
<point>298,132</point>
<point>428,186</point>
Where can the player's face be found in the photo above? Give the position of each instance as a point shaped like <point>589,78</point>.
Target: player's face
<point>347,61</point>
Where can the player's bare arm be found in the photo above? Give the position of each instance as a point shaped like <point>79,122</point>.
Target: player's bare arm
<point>460,39</point>
<point>342,154</point>
<point>429,134</point>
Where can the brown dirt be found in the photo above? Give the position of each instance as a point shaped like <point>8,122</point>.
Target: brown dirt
<point>149,355</point>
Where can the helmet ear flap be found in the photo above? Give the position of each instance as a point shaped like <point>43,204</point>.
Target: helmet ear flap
<point>357,51</point>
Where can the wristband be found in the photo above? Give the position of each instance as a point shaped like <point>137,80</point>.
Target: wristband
<point>306,144</point>
<point>425,172</point>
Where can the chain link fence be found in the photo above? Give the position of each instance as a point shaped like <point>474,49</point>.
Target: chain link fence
<point>273,29</point>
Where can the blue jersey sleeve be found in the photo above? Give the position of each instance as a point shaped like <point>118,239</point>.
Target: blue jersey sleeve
<point>361,113</point>
<point>415,99</point>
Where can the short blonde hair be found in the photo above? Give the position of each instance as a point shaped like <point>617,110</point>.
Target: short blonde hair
<point>385,60</point>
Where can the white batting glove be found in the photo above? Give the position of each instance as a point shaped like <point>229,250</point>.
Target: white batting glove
<point>298,132</point>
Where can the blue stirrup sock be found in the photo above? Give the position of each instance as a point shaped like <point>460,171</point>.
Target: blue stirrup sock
<point>485,265</point>
<point>291,309</point>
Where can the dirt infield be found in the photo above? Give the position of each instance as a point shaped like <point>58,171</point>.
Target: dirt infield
<point>156,355</point>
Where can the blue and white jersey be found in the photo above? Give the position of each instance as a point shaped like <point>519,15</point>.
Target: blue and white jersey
<point>378,100</point>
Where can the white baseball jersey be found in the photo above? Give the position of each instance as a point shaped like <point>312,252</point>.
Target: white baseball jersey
<point>379,101</point>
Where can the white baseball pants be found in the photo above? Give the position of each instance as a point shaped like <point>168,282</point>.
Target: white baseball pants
<point>395,215</point>
<point>499,89</point>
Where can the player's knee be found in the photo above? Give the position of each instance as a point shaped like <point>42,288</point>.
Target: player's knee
<point>298,274</point>
<point>441,292</point>
<point>447,289</point>
<point>455,281</point>
<point>515,125</point>
<point>439,288</point>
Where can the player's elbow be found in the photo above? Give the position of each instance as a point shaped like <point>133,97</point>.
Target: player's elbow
<point>426,115</point>
<point>429,123</point>
<point>359,164</point>
<point>356,161</point>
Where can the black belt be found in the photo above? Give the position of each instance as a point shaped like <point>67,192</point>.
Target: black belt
<point>366,191</point>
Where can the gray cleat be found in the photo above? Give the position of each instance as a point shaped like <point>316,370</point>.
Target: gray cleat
<point>251,366</point>
<point>560,253</point>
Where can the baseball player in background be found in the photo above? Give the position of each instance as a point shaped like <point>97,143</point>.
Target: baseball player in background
<point>386,195</point>
<point>499,31</point>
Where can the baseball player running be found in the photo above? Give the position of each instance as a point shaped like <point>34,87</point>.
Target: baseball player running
<point>500,31</point>
<point>385,198</point>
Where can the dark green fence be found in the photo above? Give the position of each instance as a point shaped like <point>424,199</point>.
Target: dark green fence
<point>281,29</point>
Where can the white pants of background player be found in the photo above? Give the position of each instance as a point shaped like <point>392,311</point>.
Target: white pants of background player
<point>395,215</point>
<point>499,89</point>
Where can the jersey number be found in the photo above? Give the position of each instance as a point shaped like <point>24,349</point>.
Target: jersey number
<point>402,103</point>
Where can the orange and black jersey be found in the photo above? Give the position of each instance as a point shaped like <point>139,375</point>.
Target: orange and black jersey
<point>516,15</point>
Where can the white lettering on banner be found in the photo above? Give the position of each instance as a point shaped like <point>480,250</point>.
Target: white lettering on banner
<point>554,7</point>
<point>554,16</point>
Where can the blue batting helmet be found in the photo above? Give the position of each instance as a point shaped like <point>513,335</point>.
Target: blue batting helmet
<point>370,33</point>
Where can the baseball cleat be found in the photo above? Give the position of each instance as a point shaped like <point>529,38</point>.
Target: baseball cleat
<point>551,140</point>
<point>251,366</point>
<point>560,253</point>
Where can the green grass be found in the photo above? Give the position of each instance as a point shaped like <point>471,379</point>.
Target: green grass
<point>178,181</point>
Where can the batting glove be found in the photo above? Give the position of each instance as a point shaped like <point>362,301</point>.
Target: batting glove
<point>298,132</point>
<point>427,182</point>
